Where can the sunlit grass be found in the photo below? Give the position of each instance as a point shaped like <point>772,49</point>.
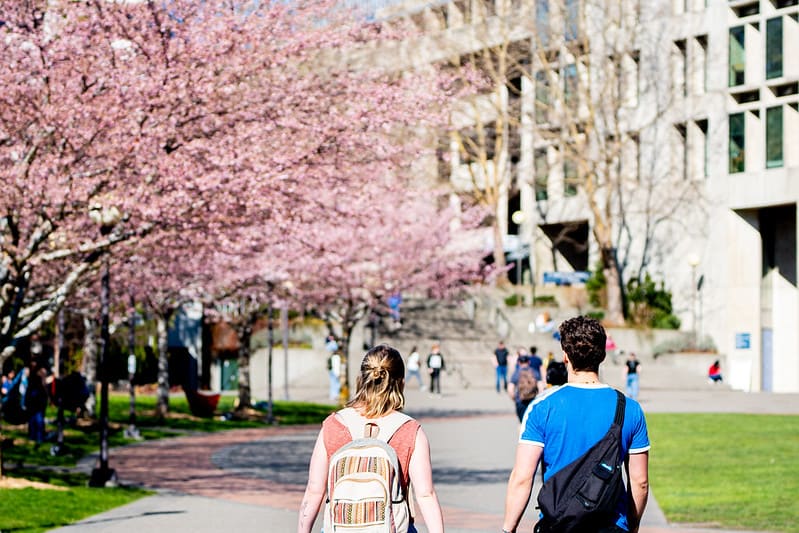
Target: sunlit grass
<point>730,470</point>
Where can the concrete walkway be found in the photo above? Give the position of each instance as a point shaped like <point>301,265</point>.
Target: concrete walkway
<point>252,480</point>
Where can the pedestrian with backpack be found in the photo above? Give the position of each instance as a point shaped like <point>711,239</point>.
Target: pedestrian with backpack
<point>523,385</point>
<point>582,433</point>
<point>370,457</point>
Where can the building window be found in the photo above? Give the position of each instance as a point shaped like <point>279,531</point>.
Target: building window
<point>701,126</point>
<point>737,56</point>
<point>541,174</point>
<point>570,97</point>
<point>542,21</point>
<point>774,137</point>
<point>737,154</point>
<point>700,77</point>
<point>680,66</point>
<point>541,97</point>
<point>571,25</point>
<point>570,176</point>
<point>682,149</point>
<point>774,48</point>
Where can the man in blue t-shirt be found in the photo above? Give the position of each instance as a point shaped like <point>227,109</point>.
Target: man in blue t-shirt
<point>562,424</point>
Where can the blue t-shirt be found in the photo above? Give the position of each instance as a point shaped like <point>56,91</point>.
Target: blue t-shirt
<point>567,420</point>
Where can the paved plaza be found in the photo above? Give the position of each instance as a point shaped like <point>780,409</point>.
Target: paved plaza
<point>252,480</point>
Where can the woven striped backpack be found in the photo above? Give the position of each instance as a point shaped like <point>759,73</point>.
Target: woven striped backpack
<point>363,483</point>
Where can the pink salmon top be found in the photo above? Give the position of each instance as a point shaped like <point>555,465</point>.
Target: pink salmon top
<point>335,435</point>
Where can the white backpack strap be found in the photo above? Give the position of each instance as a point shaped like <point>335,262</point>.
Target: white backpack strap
<point>388,425</point>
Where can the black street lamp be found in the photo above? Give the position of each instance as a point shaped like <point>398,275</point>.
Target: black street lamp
<point>103,476</point>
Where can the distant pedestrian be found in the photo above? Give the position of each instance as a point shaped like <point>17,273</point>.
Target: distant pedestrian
<point>500,361</point>
<point>536,363</point>
<point>7,383</point>
<point>333,367</point>
<point>435,364</point>
<point>334,374</point>
<point>714,372</point>
<point>556,374</point>
<point>414,368</point>
<point>610,349</point>
<point>331,345</point>
<point>394,303</point>
<point>523,386</point>
<point>36,400</point>
<point>632,368</point>
<point>374,411</point>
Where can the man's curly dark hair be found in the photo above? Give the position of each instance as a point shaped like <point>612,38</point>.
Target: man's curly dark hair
<point>583,340</point>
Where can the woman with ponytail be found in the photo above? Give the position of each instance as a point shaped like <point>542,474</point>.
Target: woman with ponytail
<point>375,408</point>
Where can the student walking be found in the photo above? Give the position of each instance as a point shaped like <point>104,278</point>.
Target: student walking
<point>632,369</point>
<point>500,361</point>
<point>523,386</point>
<point>435,364</point>
<point>375,411</point>
<point>562,425</point>
<point>414,368</point>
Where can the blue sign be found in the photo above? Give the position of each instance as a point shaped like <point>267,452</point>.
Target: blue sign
<point>743,341</point>
<point>566,278</point>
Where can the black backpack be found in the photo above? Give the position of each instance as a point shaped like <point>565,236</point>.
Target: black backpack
<point>583,496</point>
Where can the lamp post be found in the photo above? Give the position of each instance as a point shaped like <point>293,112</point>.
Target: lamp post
<point>518,218</point>
<point>132,431</point>
<point>693,262</point>
<point>102,476</point>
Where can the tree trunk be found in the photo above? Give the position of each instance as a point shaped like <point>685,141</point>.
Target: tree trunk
<point>245,391</point>
<point>499,254</point>
<point>347,327</point>
<point>613,286</point>
<point>162,401</point>
<point>270,416</point>
<point>90,362</point>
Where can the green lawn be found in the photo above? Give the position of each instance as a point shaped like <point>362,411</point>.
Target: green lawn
<point>730,470</point>
<point>32,510</point>
<point>82,439</point>
<point>35,510</point>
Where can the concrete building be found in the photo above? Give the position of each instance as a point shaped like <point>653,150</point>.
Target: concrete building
<point>675,123</point>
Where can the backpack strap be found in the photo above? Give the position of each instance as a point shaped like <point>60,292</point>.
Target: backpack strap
<point>621,402</point>
<point>386,427</point>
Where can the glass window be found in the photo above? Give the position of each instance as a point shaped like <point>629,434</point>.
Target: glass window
<point>774,144</point>
<point>570,176</point>
<point>774,48</point>
<point>702,125</point>
<point>570,86</point>
<point>737,56</point>
<point>542,20</point>
<point>571,26</point>
<point>541,174</point>
<point>737,143</point>
<point>541,97</point>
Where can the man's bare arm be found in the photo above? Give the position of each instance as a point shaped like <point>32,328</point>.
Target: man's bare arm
<point>520,484</point>
<point>638,479</point>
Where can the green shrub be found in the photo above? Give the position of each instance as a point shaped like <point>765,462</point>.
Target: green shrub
<point>513,300</point>
<point>596,286</point>
<point>546,299</point>
<point>649,304</point>
<point>596,315</point>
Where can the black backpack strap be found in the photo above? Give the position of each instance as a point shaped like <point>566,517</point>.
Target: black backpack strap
<point>621,402</point>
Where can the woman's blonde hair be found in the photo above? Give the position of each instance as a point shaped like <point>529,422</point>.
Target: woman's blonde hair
<point>381,382</point>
